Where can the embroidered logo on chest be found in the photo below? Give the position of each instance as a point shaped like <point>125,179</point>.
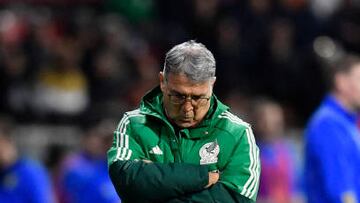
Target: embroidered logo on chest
<point>209,153</point>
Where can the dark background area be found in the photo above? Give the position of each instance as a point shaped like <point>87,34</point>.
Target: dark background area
<point>65,65</point>
<point>115,49</point>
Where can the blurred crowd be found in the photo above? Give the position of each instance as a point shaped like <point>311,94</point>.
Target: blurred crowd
<point>57,59</point>
<point>65,64</point>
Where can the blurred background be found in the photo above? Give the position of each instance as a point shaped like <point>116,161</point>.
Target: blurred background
<point>70,68</point>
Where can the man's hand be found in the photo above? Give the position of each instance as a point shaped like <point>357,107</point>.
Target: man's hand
<point>213,178</point>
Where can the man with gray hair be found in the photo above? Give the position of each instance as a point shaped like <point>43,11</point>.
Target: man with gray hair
<point>182,144</point>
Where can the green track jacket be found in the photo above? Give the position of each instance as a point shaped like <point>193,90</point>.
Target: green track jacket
<point>181,160</point>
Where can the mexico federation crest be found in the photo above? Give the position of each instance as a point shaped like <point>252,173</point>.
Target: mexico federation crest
<point>209,153</point>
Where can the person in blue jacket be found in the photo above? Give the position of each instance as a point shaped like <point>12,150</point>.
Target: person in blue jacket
<point>332,139</point>
<point>22,180</point>
<point>84,173</point>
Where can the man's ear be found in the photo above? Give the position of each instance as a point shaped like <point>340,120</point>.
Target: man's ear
<point>213,81</point>
<point>162,81</point>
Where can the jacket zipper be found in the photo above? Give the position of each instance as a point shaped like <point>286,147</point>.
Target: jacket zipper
<point>174,141</point>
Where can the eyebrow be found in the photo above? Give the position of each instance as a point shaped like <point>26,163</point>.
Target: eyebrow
<point>176,92</point>
<point>179,93</point>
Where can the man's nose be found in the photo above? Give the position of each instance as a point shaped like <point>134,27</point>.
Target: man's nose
<point>187,106</point>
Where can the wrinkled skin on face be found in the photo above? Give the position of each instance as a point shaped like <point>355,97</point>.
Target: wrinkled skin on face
<point>184,115</point>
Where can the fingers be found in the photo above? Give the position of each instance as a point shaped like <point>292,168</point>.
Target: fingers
<point>213,178</point>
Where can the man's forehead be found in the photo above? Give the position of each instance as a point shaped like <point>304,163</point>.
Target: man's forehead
<point>189,90</point>
<point>183,85</point>
<point>182,79</point>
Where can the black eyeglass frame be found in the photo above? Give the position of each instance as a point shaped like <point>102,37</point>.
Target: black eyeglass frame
<point>196,100</point>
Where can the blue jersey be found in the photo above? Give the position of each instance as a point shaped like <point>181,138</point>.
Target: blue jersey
<point>85,179</point>
<point>25,182</point>
<point>332,154</point>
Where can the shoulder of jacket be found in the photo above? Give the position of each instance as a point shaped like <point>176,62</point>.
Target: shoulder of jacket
<point>133,117</point>
<point>231,123</point>
<point>325,117</point>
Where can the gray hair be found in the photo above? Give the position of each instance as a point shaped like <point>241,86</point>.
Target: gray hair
<point>192,59</point>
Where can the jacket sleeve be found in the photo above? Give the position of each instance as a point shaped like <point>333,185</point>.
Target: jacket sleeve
<point>242,171</point>
<point>217,193</point>
<point>137,181</point>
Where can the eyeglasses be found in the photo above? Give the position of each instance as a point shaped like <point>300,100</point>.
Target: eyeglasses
<point>179,99</point>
